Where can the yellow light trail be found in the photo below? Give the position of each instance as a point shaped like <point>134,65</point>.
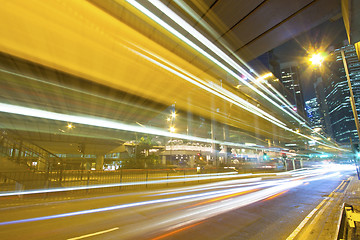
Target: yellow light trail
<point>176,231</point>
<point>213,48</point>
<point>223,198</point>
<point>207,44</point>
<point>276,195</point>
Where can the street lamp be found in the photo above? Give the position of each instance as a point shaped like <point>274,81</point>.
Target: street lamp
<point>317,59</point>
<point>172,129</point>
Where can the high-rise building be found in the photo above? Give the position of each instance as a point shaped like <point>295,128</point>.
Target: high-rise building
<point>323,106</point>
<point>288,74</point>
<point>313,113</point>
<point>338,96</point>
<point>290,78</point>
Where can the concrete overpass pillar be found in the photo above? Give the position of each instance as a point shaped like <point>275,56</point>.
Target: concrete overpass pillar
<point>192,161</point>
<point>99,162</point>
<point>225,137</point>
<point>41,164</point>
<point>293,162</point>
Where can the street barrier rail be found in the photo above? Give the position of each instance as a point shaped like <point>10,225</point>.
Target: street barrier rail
<point>348,226</point>
<point>100,181</point>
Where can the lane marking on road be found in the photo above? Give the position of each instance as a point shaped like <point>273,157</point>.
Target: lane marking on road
<point>94,234</point>
<point>308,217</point>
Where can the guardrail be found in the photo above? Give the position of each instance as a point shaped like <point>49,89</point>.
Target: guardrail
<point>69,180</point>
<point>348,229</point>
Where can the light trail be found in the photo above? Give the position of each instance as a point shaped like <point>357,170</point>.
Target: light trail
<point>216,36</point>
<point>223,197</point>
<point>178,20</point>
<point>228,96</point>
<point>205,187</point>
<point>149,182</point>
<point>193,197</point>
<point>276,195</point>
<point>221,201</point>
<point>186,40</point>
<point>79,91</point>
<point>187,27</point>
<point>176,231</point>
<point>105,123</point>
<point>212,88</point>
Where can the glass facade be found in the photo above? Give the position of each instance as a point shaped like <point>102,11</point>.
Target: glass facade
<point>313,113</point>
<point>338,96</point>
<point>290,78</point>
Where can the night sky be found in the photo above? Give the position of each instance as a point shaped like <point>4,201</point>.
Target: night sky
<point>325,35</point>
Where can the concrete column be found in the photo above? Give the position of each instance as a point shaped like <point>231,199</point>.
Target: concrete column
<point>19,153</point>
<point>293,162</point>
<point>99,162</point>
<point>87,166</point>
<point>212,126</point>
<point>192,161</point>
<point>225,137</point>
<point>41,164</point>
<point>189,129</point>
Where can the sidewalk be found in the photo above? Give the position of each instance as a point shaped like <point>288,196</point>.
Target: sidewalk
<point>324,224</point>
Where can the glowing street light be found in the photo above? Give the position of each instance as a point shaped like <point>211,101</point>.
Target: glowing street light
<point>172,129</point>
<point>173,114</point>
<point>70,126</point>
<point>317,59</point>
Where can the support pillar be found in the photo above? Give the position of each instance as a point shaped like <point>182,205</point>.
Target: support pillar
<point>293,162</point>
<point>192,161</point>
<point>99,162</point>
<point>41,164</point>
<point>225,137</point>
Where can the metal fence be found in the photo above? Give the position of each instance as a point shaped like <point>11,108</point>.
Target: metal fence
<point>74,181</point>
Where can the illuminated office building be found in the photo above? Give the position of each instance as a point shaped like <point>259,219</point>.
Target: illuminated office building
<point>313,113</point>
<point>337,93</point>
<point>290,78</point>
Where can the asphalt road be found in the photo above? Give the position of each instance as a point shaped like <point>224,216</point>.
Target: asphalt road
<point>251,208</point>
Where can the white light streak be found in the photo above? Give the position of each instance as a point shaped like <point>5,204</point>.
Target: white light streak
<point>207,44</point>
<point>213,48</point>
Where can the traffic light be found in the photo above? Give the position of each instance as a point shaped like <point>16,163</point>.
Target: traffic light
<point>265,157</point>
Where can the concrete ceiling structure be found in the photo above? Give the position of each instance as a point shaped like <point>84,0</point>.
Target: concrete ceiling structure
<point>110,47</point>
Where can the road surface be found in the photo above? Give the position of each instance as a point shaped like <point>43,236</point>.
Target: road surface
<point>261,207</point>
